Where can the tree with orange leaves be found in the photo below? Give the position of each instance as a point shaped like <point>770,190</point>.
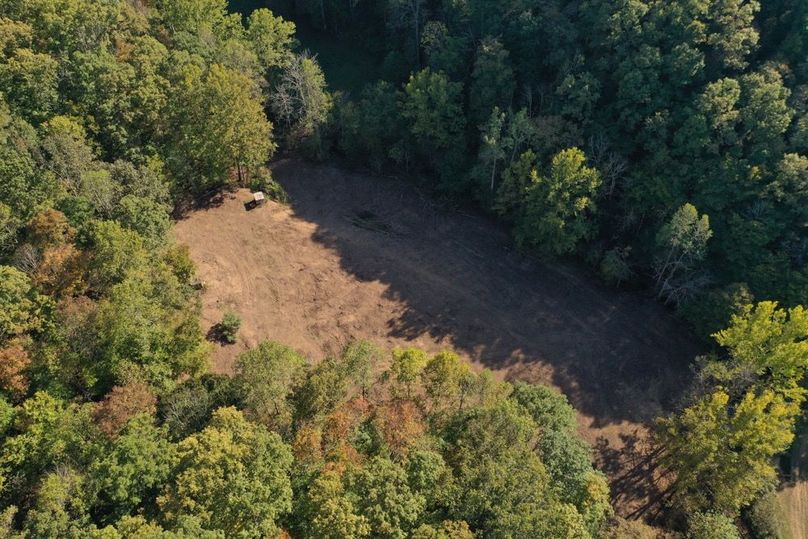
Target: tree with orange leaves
<point>341,425</point>
<point>121,404</point>
<point>14,362</point>
<point>402,425</point>
<point>49,228</point>
<point>60,271</point>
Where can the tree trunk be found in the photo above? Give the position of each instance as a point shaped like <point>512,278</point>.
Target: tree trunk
<point>417,22</point>
<point>322,14</point>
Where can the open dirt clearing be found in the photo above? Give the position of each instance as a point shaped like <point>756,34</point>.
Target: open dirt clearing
<point>794,494</point>
<point>795,501</point>
<point>355,256</point>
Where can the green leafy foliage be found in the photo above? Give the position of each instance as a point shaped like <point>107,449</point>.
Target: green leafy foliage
<point>132,470</point>
<point>29,81</point>
<point>229,326</point>
<point>330,513</point>
<point>271,38</point>
<point>385,499</point>
<point>270,373</point>
<point>769,342</point>
<point>722,446</point>
<point>371,129</point>
<point>711,526</point>
<point>431,108</point>
<point>299,100</point>
<point>223,127</point>
<point>19,303</point>
<point>728,449</point>
<point>113,113</point>
<point>683,246</point>
<point>493,82</point>
<point>558,206</point>
<point>232,476</point>
<point>767,518</point>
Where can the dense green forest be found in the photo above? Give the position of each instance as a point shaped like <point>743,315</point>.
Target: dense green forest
<point>664,143</point>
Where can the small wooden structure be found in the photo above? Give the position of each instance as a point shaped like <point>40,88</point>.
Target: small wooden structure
<point>258,199</point>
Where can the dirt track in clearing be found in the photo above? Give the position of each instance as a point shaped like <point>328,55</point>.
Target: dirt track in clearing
<point>356,256</point>
<point>794,493</point>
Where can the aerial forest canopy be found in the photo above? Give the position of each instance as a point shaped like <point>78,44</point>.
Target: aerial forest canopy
<point>663,143</point>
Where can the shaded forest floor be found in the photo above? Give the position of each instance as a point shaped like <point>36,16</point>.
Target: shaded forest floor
<point>355,256</point>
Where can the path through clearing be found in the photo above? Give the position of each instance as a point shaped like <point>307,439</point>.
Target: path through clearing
<point>355,256</point>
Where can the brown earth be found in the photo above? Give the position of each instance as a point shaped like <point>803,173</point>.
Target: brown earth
<point>355,256</point>
<point>794,492</point>
<point>794,498</point>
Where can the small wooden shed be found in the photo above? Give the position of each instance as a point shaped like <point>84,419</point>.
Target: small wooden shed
<point>258,199</point>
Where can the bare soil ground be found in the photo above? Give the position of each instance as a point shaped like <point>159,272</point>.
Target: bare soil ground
<point>355,256</point>
<point>794,494</point>
<point>795,501</point>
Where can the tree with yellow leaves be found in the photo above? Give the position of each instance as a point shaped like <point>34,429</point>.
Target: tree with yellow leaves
<point>722,447</point>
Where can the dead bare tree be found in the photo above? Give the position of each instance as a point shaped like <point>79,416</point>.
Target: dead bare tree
<point>612,165</point>
<point>683,241</point>
<point>27,258</point>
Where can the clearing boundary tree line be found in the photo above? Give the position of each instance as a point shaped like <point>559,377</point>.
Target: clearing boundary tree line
<point>663,142</point>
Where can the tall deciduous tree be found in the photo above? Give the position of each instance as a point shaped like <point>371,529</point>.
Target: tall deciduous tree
<point>372,131</point>
<point>232,476</point>
<point>70,155</point>
<point>711,526</point>
<point>683,246</point>
<point>50,433</point>
<point>407,366</point>
<point>220,130</point>
<point>330,513</point>
<point>300,100</point>
<point>559,206</point>
<point>432,108</point>
<point>722,452</point>
<point>271,38</point>
<point>60,508</point>
<point>445,380</point>
<point>493,148</point>
<point>19,303</point>
<point>493,81</point>
<point>133,469</point>
<point>269,374</point>
<point>29,82</point>
<point>385,499</point>
<point>771,343</point>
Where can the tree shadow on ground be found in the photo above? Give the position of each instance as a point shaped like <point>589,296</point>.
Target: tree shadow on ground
<point>207,200</point>
<point>617,355</point>
<point>637,480</point>
<point>218,334</point>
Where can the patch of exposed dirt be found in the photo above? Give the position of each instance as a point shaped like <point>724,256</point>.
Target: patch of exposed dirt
<point>794,494</point>
<point>355,256</point>
<point>794,498</point>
